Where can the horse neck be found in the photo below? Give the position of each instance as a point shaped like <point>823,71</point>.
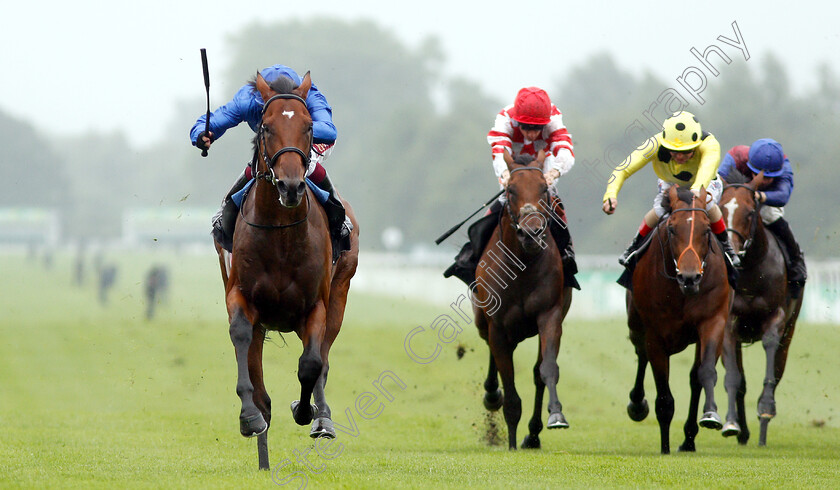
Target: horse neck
<point>760,246</point>
<point>267,210</point>
<point>508,237</point>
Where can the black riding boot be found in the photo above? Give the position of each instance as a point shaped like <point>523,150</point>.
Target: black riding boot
<point>631,249</point>
<point>731,254</point>
<point>797,273</point>
<point>224,221</point>
<point>339,222</point>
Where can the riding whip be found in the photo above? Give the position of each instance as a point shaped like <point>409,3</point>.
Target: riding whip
<point>455,228</point>
<point>207,89</point>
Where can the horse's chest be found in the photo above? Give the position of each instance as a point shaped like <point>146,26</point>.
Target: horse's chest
<point>283,303</point>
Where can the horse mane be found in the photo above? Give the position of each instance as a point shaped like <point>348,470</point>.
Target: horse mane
<point>736,177</point>
<point>523,160</point>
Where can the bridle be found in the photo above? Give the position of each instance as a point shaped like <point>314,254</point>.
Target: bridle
<point>748,240</point>
<point>690,247</point>
<point>514,219</point>
<point>269,175</point>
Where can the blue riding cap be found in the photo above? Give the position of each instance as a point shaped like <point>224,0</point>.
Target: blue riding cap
<point>766,154</point>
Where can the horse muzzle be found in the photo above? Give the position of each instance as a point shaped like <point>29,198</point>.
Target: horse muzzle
<point>689,282</point>
<point>291,192</point>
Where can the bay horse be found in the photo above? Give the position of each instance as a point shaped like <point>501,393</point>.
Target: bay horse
<point>680,296</point>
<point>522,250</point>
<point>280,274</point>
<point>762,310</point>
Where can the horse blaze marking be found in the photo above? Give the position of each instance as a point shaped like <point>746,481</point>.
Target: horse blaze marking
<point>288,114</point>
<point>731,206</point>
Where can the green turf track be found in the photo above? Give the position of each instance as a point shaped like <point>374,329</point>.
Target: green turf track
<point>95,396</point>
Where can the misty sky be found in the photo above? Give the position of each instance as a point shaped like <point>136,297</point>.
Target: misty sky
<point>72,67</point>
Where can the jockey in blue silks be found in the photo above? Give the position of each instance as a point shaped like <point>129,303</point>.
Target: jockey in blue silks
<point>767,155</point>
<point>246,106</point>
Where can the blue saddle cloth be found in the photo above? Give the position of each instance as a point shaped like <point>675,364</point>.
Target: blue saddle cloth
<point>320,194</point>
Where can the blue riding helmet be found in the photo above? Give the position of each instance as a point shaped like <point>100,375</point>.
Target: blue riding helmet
<point>766,154</point>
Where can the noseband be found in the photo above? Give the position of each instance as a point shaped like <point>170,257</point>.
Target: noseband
<point>270,161</point>
<point>270,176</point>
<point>514,220</point>
<point>691,241</point>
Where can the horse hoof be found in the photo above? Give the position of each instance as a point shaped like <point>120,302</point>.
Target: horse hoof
<point>556,420</point>
<point>638,411</point>
<point>252,426</point>
<point>687,447</point>
<point>494,401</point>
<point>531,442</point>
<point>711,420</point>
<point>322,427</point>
<point>300,417</point>
<point>730,429</point>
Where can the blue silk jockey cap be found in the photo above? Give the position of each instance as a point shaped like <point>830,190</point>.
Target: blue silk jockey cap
<point>766,154</point>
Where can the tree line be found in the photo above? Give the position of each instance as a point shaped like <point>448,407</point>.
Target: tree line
<point>412,150</point>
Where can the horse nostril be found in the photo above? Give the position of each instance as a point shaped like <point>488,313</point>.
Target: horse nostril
<point>301,188</point>
<point>281,186</point>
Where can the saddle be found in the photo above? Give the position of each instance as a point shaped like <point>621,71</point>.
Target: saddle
<point>626,278</point>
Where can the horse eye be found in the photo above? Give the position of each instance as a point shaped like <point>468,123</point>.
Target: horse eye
<point>672,230</point>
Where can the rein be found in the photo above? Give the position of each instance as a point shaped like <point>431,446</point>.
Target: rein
<point>690,247</point>
<point>747,241</point>
<point>270,176</point>
<point>514,220</point>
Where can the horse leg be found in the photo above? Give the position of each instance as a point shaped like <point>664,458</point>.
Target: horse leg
<point>532,440</point>
<point>322,426</point>
<point>660,365</point>
<point>733,380</point>
<point>493,397</point>
<point>310,363</point>
<point>709,349</point>
<point>260,397</point>
<point>770,340</point>
<point>503,355</point>
<point>690,428</point>
<point>638,408</point>
<point>549,372</point>
<point>251,420</point>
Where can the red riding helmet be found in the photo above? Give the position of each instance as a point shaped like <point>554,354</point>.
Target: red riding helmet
<point>532,106</point>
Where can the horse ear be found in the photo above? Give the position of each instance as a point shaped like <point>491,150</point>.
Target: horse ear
<point>759,181</point>
<point>305,85</point>
<point>508,159</point>
<point>262,87</point>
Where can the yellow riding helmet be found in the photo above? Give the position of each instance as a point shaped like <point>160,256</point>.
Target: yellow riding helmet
<point>681,132</point>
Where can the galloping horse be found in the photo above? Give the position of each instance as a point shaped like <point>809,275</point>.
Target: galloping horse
<point>680,296</point>
<point>280,275</point>
<point>535,303</point>
<point>762,310</point>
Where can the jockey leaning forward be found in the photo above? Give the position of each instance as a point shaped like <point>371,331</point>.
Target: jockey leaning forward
<point>766,155</point>
<point>531,126</point>
<point>247,106</point>
<point>682,154</point>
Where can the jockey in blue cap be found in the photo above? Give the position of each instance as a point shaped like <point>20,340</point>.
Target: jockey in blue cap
<point>766,155</point>
<point>247,106</point>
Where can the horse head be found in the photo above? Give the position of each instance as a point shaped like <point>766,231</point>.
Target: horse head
<point>689,236</point>
<point>527,196</point>
<point>740,209</point>
<point>284,138</point>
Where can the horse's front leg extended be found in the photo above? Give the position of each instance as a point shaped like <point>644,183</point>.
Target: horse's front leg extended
<point>710,346</point>
<point>502,352</point>
<point>690,428</point>
<point>733,381</point>
<point>310,363</point>
<point>251,420</point>
<point>551,330</point>
<point>638,408</point>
